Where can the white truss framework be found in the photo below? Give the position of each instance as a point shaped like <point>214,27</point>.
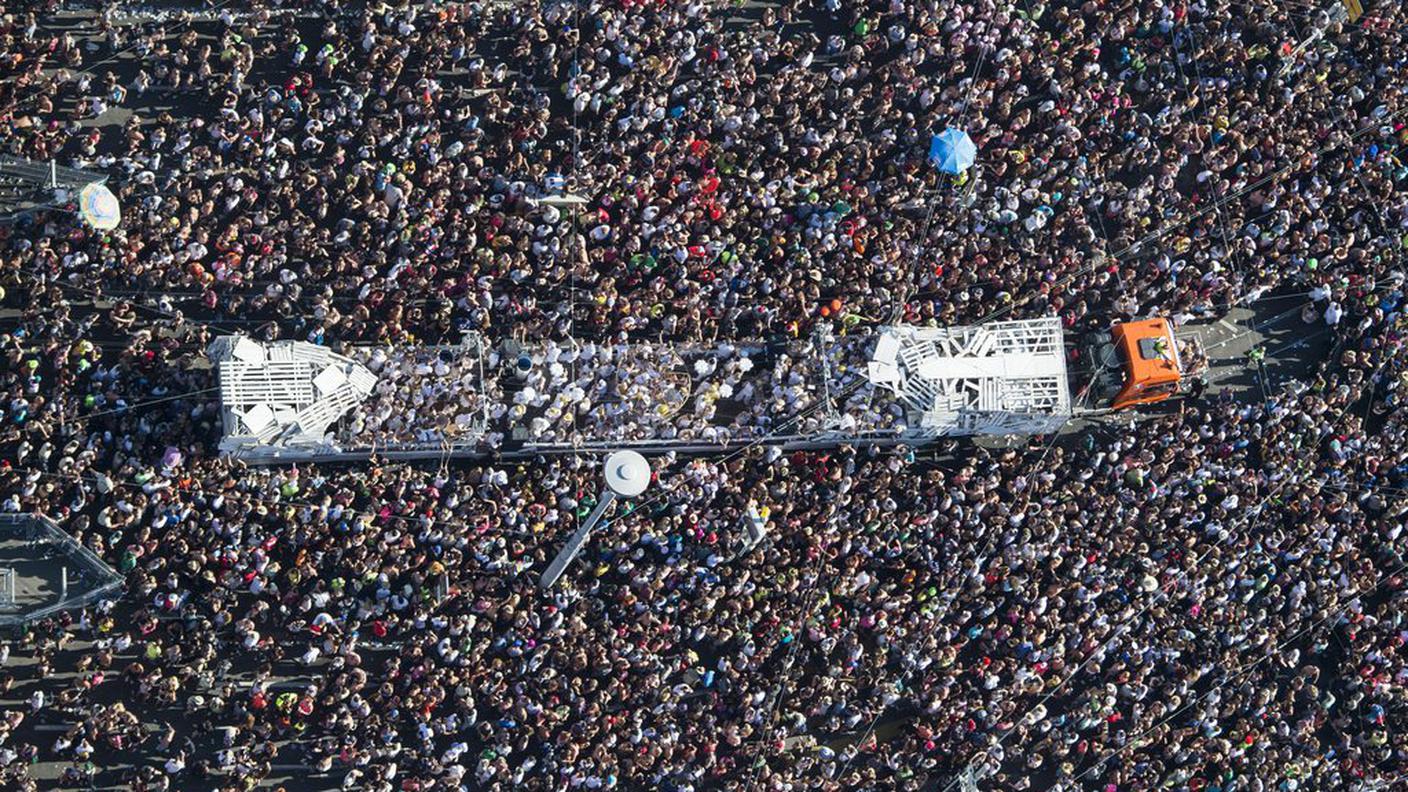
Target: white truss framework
<point>998,378</point>
<point>281,400</point>
<point>8,602</point>
<point>287,393</point>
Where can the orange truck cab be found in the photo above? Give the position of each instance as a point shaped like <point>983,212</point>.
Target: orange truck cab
<point>1148,351</point>
<point>1139,362</point>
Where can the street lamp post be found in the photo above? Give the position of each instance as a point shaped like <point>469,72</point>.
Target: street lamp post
<point>627,475</point>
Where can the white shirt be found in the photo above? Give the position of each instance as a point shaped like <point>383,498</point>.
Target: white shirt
<point>1333,314</point>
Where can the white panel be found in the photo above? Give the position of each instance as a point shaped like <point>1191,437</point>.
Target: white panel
<point>330,380</point>
<point>883,373</point>
<point>312,353</point>
<point>247,351</point>
<point>258,417</point>
<point>281,353</point>
<point>991,367</point>
<point>362,381</point>
<point>886,349</point>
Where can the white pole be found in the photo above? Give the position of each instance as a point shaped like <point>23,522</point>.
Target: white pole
<point>574,545</point>
<point>63,583</point>
<point>53,175</point>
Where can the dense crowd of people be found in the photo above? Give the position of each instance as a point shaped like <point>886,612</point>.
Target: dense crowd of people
<point>423,396</point>
<point>1210,599</point>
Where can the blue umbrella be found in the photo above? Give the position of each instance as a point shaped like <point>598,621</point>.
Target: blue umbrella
<point>953,151</point>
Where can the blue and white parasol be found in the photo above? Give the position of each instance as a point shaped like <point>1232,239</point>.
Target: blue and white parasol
<point>952,151</point>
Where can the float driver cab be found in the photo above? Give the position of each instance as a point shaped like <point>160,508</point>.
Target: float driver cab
<point>1140,362</point>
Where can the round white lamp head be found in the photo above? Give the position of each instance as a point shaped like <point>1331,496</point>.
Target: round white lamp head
<point>627,473</point>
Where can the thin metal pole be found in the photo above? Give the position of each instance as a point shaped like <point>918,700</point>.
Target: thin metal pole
<point>483,383</point>
<point>63,583</point>
<point>831,410</point>
<point>574,545</point>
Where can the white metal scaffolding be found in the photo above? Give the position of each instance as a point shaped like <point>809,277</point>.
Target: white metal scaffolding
<point>8,601</point>
<point>904,384</point>
<point>288,393</point>
<point>999,378</point>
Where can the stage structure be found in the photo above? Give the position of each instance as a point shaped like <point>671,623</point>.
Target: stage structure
<point>44,570</point>
<point>470,399</point>
<point>284,395</point>
<point>291,401</point>
<point>998,378</point>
